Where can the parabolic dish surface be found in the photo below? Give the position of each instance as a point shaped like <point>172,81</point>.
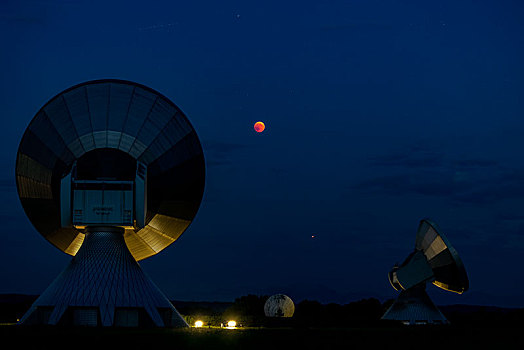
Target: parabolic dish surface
<point>125,116</point>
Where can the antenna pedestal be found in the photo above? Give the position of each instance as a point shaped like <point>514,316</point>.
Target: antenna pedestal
<point>413,306</point>
<point>103,285</point>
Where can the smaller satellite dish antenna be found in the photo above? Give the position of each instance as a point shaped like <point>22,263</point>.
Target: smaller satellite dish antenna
<point>279,305</point>
<point>433,260</point>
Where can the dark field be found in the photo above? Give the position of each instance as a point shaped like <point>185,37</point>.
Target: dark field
<point>314,326</point>
<point>418,337</point>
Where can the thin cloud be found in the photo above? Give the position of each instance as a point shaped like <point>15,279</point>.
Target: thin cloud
<point>358,25</point>
<point>418,170</point>
<point>220,153</point>
<point>21,19</point>
<point>407,160</point>
<point>474,186</point>
<point>159,27</point>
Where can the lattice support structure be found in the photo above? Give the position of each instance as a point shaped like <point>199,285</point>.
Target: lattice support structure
<point>103,285</point>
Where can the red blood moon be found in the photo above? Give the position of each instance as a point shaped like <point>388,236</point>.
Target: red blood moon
<point>259,126</point>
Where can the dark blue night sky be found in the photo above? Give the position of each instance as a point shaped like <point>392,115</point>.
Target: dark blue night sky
<point>378,114</point>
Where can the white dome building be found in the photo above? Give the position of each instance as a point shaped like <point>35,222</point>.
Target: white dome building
<point>279,305</point>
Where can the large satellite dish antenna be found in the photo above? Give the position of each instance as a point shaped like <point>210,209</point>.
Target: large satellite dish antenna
<point>433,260</point>
<point>110,172</point>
